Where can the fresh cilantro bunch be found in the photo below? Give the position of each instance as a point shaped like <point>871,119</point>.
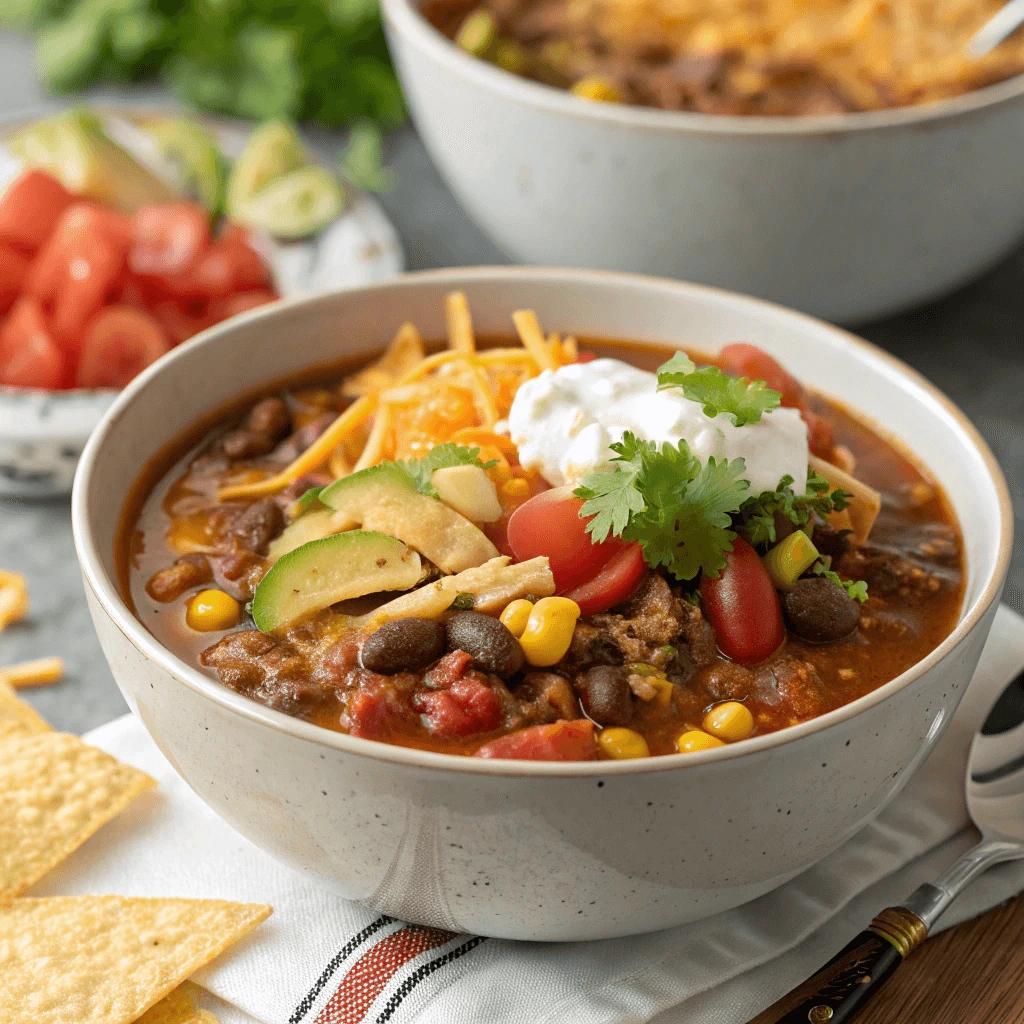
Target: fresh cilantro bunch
<point>857,589</point>
<point>743,401</point>
<point>757,516</point>
<point>678,510</point>
<point>441,457</point>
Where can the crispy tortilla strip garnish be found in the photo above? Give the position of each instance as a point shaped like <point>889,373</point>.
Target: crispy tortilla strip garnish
<point>13,597</point>
<point>864,506</point>
<point>404,354</point>
<point>55,792</point>
<point>108,959</point>
<point>41,672</point>
<point>460,323</point>
<point>374,450</point>
<point>178,1008</point>
<point>319,451</point>
<point>16,717</point>
<point>493,585</point>
<point>532,337</point>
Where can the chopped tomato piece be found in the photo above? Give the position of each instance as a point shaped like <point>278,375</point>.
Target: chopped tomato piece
<point>614,582</point>
<point>119,344</point>
<point>228,265</point>
<point>755,364</point>
<point>560,741</point>
<point>29,357</point>
<point>30,208</point>
<point>168,238</point>
<point>550,524</point>
<point>13,271</point>
<point>820,433</point>
<point>80,266</point>
<point>586,357</point>
<point>374,708</point>
<point>742,605</point>
<point>468,706</point>
<point>178,321</point>
<point>242,302</point>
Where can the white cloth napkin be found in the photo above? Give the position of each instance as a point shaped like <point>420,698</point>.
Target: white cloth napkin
<point>322,960</point>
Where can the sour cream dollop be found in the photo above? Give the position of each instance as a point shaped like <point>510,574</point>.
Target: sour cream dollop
<point>564,420</point>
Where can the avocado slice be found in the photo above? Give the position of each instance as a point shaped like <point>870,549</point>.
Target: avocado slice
<point>323,572</point>
<point>74,148</point>
<point>311,526</point>
<point>385,498</point>
<point>197,160</point>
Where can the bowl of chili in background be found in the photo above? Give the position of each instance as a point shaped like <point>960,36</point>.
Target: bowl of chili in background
<point>848,216</point>
<point>559,850</point>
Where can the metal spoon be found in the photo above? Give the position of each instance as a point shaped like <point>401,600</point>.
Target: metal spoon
<point>995,802</point>
<point>1000,26</point>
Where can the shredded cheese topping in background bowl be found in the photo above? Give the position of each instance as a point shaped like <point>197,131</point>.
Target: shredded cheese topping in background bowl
<point>564,420</point>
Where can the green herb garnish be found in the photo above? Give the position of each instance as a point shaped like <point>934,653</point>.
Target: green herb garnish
<point>857,589</point>
<point>678,510</point>
<point>757,518</point>
<point>464,602</point>
<point>743,401</point>
<point>441,457</point>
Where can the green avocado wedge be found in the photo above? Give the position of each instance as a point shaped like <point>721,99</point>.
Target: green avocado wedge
<point>385,498</point>
<point>337,568</point>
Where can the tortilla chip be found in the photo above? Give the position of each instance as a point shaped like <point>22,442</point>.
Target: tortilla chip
<point>400,357</point>
<point>108,959</point>
<point>16,717</point>
<point>177,1008</point>
<point>55,792</point>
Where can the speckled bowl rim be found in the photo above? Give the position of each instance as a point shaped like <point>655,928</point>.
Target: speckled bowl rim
<point>107,591</point>
<point>405,19</point>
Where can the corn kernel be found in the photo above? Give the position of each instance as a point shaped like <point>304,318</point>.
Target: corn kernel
<point>515,488</point>
<point>212,610</point>
<point>729,721</point>
<point>595,87</point>
<point>549,630</point>
<point>516,615</point>
<point>622,744</point>
<point>694,739</point>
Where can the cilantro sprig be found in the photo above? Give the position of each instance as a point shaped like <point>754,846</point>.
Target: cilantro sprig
<point>857,589</point>
<point>743,401</point>
<point>757,518</point>
<point>441,457</point>
<point>677,509</point>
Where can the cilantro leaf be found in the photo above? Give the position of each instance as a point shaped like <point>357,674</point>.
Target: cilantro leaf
<point>759,514</point>
<point>857,589</point>
<point>441,457</point>
<point>743,401</point>
<point>611,497</point>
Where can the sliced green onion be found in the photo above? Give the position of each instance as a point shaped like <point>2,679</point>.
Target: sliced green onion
<point>790,559</point>
<point>464,602</point>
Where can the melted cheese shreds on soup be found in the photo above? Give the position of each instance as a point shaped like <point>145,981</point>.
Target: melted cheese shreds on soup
<point>564,420</point>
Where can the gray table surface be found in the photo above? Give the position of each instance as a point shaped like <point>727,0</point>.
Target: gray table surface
<point>970,344</point>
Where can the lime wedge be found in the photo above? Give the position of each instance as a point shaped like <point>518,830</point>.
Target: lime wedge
<point>198,164</point>
<point>273,150</point>
<point>73,148</point>
<point>294,205</point>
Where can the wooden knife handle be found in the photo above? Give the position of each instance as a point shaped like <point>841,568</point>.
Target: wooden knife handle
<point>835,993</point>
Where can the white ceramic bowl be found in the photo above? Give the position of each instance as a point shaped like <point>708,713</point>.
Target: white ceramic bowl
<point>846,216</point>
<point>518,849</point>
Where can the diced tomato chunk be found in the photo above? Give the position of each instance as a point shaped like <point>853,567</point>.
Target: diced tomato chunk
<point>80,266</point>
<point>561,741</point>
<point>229,265</point>
<point>755,364</point>
<point>371,710</point>
<point>29,357</point>
<point>820,433</point>
<point>242,302</point>
<point>168,238</point>
<point>468,706</point>
<point>119,344</point>
<point>179,323</point>
<point>30,208</point>
<point>13,271</point>
<point>586,357</point>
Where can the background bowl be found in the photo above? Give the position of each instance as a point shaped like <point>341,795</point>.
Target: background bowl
<point>847,216</point>
<point>519,849</point>
<point>42,433</point>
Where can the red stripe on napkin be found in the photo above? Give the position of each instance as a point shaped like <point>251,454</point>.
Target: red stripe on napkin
<point>370,974</point>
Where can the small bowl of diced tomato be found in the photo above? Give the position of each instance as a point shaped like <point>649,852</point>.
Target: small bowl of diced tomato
<point>89,297</point>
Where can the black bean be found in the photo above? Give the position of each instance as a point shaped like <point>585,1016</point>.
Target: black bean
<point>819,610</point>
<point>607,699</point>
<point>403,645</point>
<point>487,641</point>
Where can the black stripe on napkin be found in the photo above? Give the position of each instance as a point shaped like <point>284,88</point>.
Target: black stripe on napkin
<point>336,961</point>
<point>424,972</point>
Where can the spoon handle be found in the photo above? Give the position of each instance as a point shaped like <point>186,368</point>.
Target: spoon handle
<point>835,993</point>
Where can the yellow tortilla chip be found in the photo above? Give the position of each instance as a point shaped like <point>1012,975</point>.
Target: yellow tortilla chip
<point>16,717</point>
<point>55,792</point>
<point>400,357</point>
<point>177,1008</point>
<point>108,959</point>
